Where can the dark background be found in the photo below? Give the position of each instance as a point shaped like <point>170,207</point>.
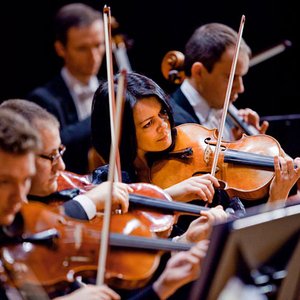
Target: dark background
<point>155,27</point>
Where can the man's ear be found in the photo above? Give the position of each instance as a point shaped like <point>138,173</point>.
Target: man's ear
<point>197,69</point>
<point>59,48</point>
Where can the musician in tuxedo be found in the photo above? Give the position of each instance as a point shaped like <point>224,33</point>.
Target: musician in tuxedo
<point>208,58</point>
<point>79,42</point>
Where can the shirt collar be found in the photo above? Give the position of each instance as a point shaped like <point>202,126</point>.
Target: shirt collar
<point>76,86</point>
<point>199,104</point>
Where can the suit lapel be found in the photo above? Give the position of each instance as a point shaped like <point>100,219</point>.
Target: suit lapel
<point>66,100</point>
<point>183,102</point>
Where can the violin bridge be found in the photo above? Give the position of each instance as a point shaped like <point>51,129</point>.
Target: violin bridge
<point>207,154</point>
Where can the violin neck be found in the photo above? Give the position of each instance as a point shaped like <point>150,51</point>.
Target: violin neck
<point>250,159</point>
<point>166,206</point>
<point>248,129</point>
<point>121,240</point>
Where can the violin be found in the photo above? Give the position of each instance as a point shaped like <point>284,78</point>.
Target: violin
<point>245,167</point>
<point>47,248</point>
<point>160,222</point>
<point>70,180</point>
<point>149,202</point>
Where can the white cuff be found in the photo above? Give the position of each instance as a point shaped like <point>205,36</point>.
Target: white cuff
<point>87,204</point>
<point>176,238</point>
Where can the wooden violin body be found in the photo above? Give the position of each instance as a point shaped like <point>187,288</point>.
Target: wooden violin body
<point>51,250</point>
<point>245,166</point>
<point>69,180</point>
<point>159,223</point>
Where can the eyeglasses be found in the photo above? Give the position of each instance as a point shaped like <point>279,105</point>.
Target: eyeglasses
<point>54,157</point>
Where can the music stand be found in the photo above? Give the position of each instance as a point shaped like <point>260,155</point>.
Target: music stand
<point>240,247</point>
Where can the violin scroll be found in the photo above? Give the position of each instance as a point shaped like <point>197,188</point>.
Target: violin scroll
<point>172,67</point>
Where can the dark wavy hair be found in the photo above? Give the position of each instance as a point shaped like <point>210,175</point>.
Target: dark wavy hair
<point>138,87</point>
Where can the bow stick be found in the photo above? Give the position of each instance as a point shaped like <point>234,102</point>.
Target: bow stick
<point>227,97</point>
<point>114,159</point>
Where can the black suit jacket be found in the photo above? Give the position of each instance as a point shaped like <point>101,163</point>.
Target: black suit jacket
<point>56,98</point>
<point>183,112</point>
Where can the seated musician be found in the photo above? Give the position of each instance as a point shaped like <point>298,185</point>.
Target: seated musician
<point>208,57</point>
<point>200,99</point>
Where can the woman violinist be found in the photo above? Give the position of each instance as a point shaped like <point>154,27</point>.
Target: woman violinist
<point>148,133</point>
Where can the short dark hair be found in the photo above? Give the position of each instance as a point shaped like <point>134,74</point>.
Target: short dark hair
<point>208,43</point>
<point>138,87</point>
<point>73,15</point>
<point>31,111</point>
<point>16,134</point>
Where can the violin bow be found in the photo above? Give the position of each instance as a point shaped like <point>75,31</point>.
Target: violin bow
<point>111,176</point>
<point>227,96</point>
<point>114,158</point>
<point>110,78</point>
<point>269,53</point>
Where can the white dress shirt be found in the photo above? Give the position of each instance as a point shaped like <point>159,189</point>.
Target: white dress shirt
<point>81,94</point>
<point>208,117</point>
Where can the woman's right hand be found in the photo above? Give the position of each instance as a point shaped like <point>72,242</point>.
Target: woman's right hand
<point>196,187</point>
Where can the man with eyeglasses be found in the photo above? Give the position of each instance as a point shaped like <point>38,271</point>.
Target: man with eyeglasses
<point>49,165</point>
<point>19,143</point>
<point>55,156</point>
